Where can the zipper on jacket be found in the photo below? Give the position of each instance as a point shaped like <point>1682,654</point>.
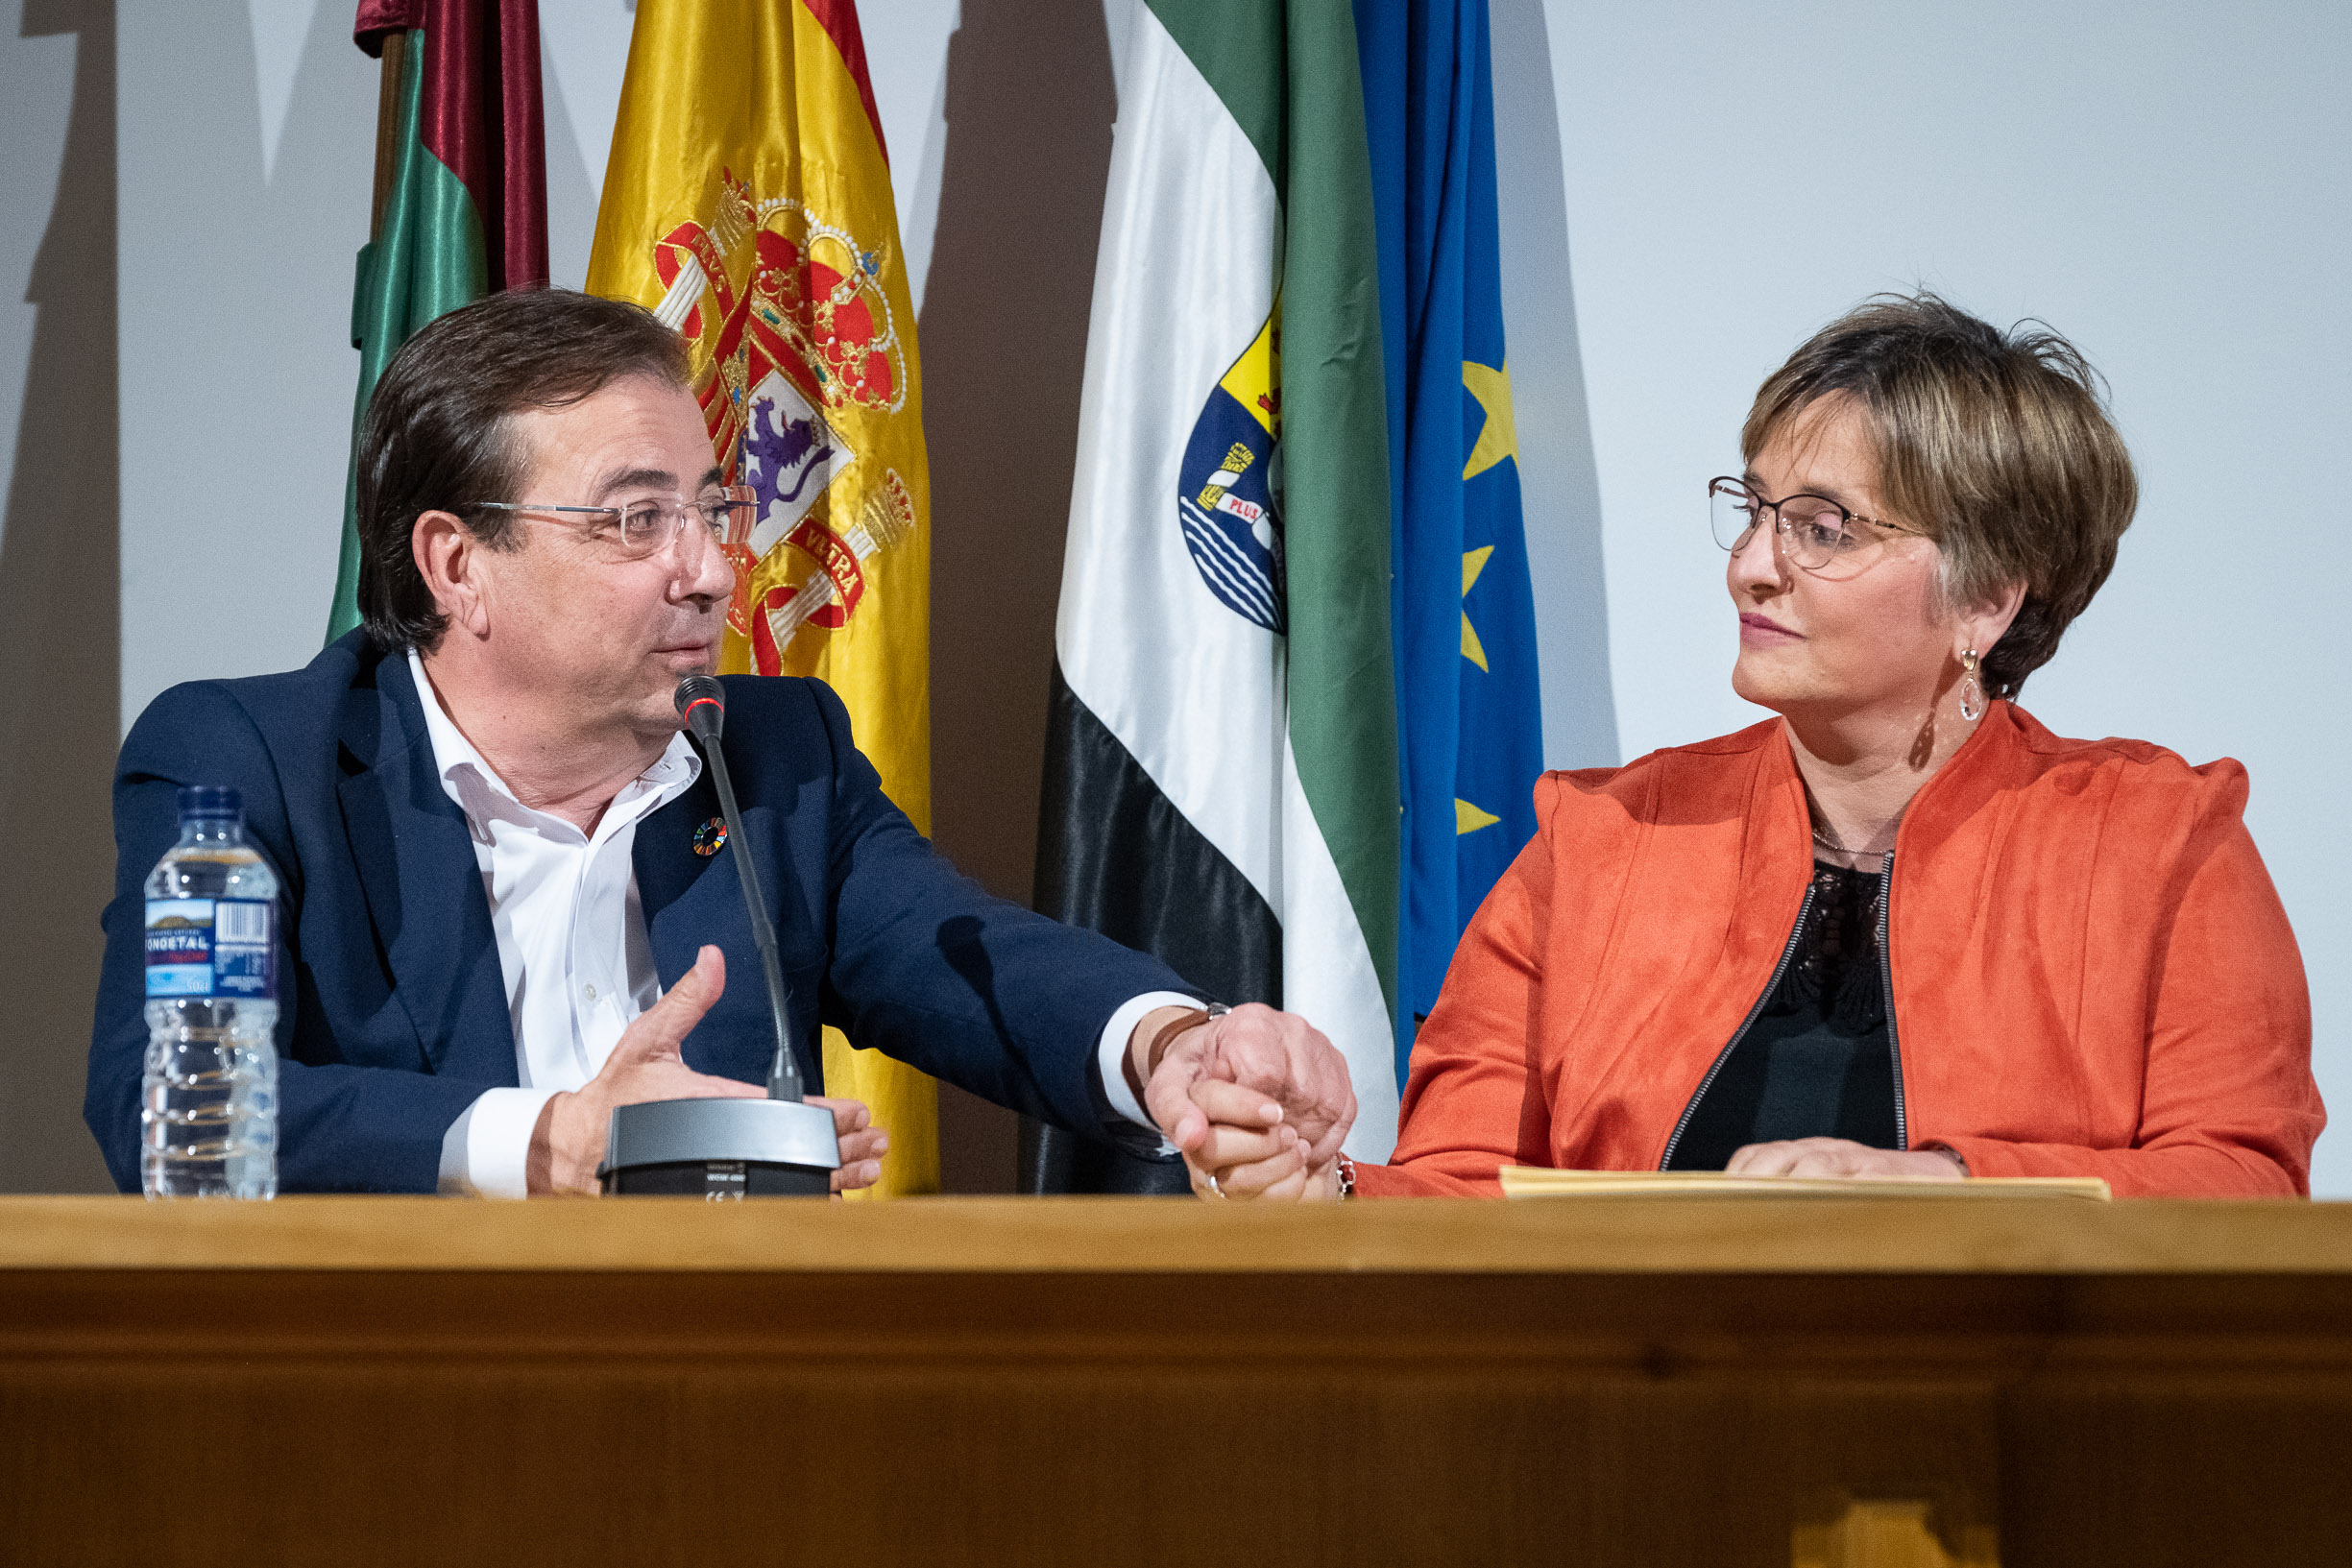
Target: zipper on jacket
<point>1788,953</point>
<point>1886,977</point>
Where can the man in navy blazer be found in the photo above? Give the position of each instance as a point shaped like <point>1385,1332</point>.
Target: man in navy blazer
<point>479,805</point>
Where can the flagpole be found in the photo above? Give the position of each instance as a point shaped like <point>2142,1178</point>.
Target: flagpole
<point>387,130</point>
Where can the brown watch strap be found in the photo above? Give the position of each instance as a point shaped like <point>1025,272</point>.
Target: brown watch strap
<point>1153,1053</point>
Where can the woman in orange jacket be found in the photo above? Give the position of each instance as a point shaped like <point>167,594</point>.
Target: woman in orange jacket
<point>1902,929</point>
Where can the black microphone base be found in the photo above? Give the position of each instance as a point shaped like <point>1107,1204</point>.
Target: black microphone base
<point>720,1149</point>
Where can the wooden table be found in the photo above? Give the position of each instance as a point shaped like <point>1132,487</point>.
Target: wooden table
<point>1137,1382</point>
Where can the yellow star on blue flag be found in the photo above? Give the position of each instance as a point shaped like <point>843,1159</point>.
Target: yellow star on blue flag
<point>1498,437</point>
<point>1472,563</point>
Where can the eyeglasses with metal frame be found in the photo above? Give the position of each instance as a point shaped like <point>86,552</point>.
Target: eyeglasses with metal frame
<point>1814,530</point>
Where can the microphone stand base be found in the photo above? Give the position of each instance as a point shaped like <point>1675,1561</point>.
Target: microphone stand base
<point>719,1148</point>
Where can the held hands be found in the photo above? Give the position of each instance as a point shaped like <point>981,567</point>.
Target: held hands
<point>646,1065</point>
<point>1247,1150</point>
<point>1257,1099</point>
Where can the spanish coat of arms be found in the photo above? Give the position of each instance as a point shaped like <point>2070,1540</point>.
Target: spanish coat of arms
<point>790,328</point>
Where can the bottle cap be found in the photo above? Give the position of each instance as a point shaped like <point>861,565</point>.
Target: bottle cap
<point>209,801</point>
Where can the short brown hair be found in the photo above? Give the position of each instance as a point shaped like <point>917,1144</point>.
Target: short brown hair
<point>439,428</point>
<point>1994,444</point>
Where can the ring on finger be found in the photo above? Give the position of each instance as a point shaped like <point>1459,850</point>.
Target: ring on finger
<point>1210,1176</point>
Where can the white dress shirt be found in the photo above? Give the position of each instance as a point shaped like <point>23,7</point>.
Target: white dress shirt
<point>574,950</point>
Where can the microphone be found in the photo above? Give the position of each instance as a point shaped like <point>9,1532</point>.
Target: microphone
<point>702,701</point>
<point>781,1147</point>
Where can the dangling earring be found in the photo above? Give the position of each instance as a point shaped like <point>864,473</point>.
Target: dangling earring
<point>1972,708</point>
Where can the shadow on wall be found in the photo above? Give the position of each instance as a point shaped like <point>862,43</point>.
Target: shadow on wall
<point>1029,103</point>
<point>1559,483</point>
<point>59,641</point>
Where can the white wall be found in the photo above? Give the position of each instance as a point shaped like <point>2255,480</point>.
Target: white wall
<point>238,229</point>
<point>2168,184</point>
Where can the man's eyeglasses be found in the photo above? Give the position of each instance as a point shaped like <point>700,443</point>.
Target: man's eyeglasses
<point>1814,530</point>
<point>643,528</point>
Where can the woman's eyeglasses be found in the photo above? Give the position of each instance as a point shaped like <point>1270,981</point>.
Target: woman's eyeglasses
<point>1815,529</point>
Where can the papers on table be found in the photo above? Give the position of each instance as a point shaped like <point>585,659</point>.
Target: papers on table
<point>1537,1181</point>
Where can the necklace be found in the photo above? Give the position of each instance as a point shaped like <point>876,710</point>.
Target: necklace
<point>1826,842</point>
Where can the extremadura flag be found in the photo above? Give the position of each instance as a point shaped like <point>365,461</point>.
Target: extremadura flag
<point>1221,781</point>
<point>461,207</point>
<point>747,203</point>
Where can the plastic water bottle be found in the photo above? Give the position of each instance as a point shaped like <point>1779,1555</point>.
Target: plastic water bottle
<point>208,1099</point>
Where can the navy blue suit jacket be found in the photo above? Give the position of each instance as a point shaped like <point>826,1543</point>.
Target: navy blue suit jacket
<point>393,1013</point>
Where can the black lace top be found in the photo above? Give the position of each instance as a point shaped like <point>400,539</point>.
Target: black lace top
<point>1815,1062</point>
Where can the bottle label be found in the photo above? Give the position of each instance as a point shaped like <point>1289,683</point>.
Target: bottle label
<point>212,948</point>
<point>242,950</point>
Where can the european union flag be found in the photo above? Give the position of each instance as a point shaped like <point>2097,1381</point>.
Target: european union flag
<point>1463,614</point>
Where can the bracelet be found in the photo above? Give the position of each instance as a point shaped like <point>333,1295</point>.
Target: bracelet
<point>1347,1177</point>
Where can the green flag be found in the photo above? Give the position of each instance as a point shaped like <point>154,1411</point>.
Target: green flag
<point>460,138</point>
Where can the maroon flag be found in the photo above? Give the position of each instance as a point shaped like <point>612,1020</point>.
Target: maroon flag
<point>479,114</point>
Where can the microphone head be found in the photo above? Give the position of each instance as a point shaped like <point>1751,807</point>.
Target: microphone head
<point>702,701</point>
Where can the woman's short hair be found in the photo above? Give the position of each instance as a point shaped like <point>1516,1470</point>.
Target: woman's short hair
<point>1994,444</point>
<point>439,428</point>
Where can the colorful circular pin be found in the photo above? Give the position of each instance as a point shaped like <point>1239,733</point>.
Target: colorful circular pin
<point>711,836</point>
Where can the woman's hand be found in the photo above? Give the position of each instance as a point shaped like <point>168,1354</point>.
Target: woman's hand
<point>862,1145</point>
<point>1247,1151</point>
<point>1839,1157</point>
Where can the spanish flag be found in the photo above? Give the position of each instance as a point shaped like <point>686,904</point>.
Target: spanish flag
<point>747,203</point>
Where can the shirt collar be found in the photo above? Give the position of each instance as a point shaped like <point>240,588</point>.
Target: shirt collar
<point>468,778</point>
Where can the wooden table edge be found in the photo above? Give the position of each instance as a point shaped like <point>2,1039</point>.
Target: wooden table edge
<point>1616,1235</point>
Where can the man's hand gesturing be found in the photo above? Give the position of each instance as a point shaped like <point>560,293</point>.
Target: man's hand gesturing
<point>645,1065</point>
<point>1299,1080</point>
